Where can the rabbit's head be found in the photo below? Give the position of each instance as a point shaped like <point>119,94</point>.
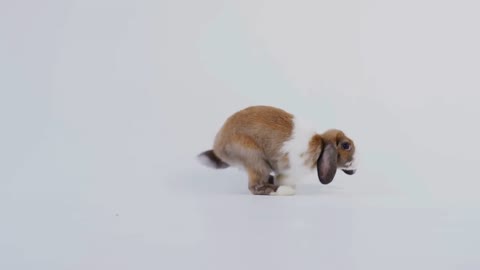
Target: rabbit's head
<point>337,152</point>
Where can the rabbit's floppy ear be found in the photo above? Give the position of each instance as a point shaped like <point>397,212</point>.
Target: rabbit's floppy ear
<point>327,164</point>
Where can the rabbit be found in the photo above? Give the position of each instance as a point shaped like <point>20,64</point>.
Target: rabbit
<point>265,140</point>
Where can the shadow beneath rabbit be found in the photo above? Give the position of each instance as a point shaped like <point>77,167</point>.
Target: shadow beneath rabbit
<point>201,181</point>
<point>316,189</point>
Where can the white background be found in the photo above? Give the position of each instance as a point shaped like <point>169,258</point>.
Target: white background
<point>105,104</point>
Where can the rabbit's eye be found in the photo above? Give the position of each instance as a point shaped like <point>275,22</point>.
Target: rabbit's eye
<point>346,146</point>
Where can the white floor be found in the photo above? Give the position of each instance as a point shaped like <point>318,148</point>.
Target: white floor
<point>206,220</point>
<point>105,104</point>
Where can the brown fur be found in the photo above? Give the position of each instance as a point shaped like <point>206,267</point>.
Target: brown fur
<point>337,137</point>
<point>314,149</point>
<point>253,137</point>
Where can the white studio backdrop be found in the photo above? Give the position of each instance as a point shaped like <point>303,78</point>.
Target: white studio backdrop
<point>105,104</point>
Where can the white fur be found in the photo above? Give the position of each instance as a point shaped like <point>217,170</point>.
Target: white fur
<point>355,162</point>
<point>296,147</point>
<point>284,191</point>
<point>353,165</point>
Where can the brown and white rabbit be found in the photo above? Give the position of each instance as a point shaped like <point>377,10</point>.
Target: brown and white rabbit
<point>264,140</point>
